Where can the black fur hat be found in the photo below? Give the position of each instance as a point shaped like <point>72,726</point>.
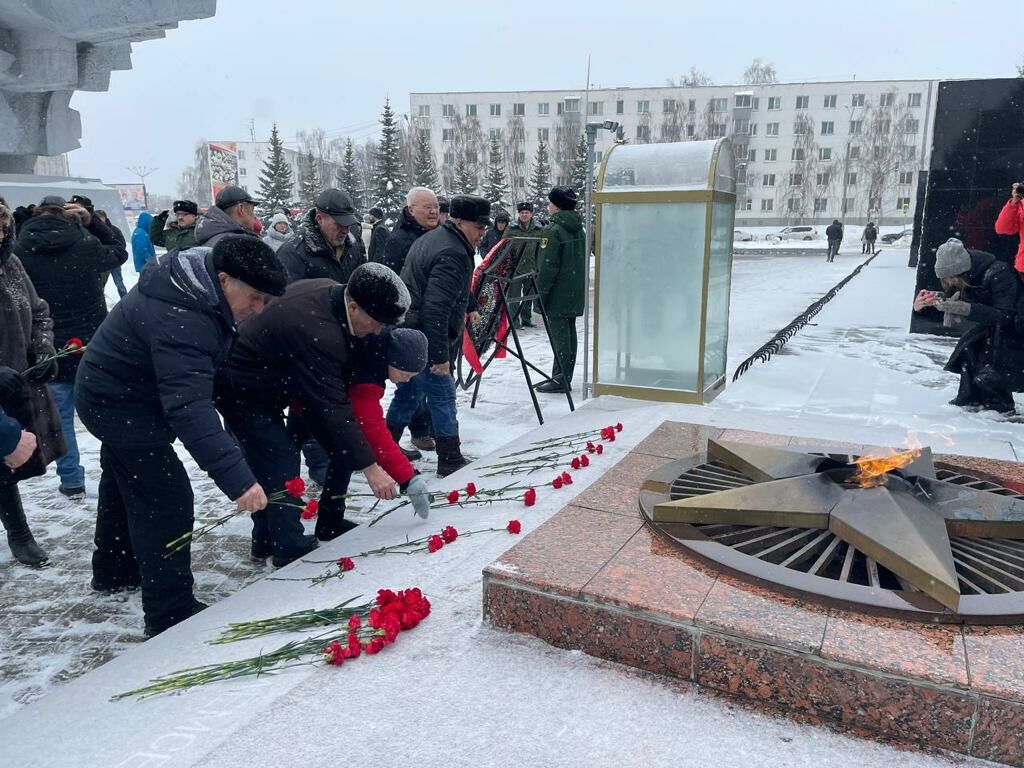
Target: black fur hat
<point>379,292</point>
<point>563,197</point>
<point>252,261</point>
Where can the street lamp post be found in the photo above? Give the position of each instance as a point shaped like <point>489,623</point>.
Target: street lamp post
<point>591,132</point>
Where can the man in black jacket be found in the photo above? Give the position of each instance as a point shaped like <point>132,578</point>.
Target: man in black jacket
<point>834,234</point>
<point>438,272</point>
<point>146,380</point>
<point>322,245</point>
<point>233,213</point>
<point>68,253</point>
<point>300,353</point>
<point>378,236</point>
<point>419,216</point>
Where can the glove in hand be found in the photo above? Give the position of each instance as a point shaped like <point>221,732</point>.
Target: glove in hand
<point>419,495</point>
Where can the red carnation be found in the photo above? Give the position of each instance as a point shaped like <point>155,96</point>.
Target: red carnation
<point>434,543</point>
<point>575,463</point>
<point>591,447</point>
<point>449,534</point>
<point>354,646</point>
<point>453,497</point>
<point>295,487</point>
<point>607,432</point>
<point>346,563</point>
<point>567,478</point>
<point>74,344</point>
<point>611,437</point>
<point>600,449</point>
<point>557,482</point>
<point>409,619</point>
<point>311,509</point>
<point>470,489</point>
<point>392,626</point>
<point>514,526</point>
<point>618,427</point>
<point>374,646</point>
<point>385,596</point>
<point>334,654</point>
<point>530,497</point>
<point>375,619</point>
<point>584,460</point>
<point>354,622</point>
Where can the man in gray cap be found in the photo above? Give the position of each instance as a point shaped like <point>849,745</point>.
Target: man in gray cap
<point>979,289</point>
<point>322,245</point>
<point>233,213</point>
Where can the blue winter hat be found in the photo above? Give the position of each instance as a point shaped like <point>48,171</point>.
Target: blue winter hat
<point>407,350</point>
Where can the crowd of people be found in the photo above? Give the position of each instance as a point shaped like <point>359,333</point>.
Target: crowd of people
<point>250,351</point>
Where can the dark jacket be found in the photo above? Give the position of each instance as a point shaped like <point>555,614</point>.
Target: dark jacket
<point>69,266</point>
<point>306,254</point>
<point>147,377</point>
<point>299,349</point>
<point>378,241</point>
<point>491,238</point>
<point>528,259</point>
<point>172,237</point>
<point>437,272</point>
<point>26,335</point>
<point>406,232</point>
<point>870,233</point>
<point>561,265</point>
<point>834,231</point>
<point>214,225</point>
<point>142,246</point>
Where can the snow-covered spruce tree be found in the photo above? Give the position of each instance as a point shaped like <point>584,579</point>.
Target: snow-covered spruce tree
<point>495,185</point>
<point>463,182</point>
<point>424,171</point>
<point>309,181</point>
<point>276,176</point>
<point>540,179</point>
<point>578,174</point>
<point>389,183</point>
<point>347,177</point>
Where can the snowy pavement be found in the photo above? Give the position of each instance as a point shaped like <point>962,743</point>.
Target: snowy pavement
<point>460,692</point>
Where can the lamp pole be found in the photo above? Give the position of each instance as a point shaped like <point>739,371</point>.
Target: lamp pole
<point>588,223</point>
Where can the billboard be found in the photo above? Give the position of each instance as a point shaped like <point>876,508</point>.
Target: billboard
<point>133,196</point>
<point>223,166</point>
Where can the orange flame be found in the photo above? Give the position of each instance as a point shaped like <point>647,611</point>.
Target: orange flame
<point>872,469</point>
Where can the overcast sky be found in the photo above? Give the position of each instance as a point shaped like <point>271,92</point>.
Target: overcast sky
<point>319,63</point>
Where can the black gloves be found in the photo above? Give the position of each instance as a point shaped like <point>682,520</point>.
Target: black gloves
<point>12,384</point>
<point>42,373</point>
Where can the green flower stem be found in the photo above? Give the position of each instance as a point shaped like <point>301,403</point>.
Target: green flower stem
<point>292,622</point>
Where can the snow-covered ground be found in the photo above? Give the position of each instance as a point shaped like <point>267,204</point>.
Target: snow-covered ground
<point>454,691</point>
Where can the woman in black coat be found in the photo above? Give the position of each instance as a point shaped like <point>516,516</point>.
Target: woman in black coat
<point>26,339</point>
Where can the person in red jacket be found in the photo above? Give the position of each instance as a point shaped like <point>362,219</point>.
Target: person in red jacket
<point>396,355</point>
<point>1011,222</point>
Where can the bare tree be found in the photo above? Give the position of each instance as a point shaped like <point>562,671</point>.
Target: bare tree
<point>692,79</point>
<point>366,165</point>
<point>515,157</point>
<point>468,147</point>
<point>884,149</point>
<point>673,121</point>
<point>567,136</point>
<point>796,192</point>
<point>194,182</point>
<point>326,156</point>
<point>1020,70</point>
<point>760,73</point>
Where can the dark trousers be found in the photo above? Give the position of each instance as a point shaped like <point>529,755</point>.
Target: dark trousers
<point>833,249</point>
<point>273,455</point>
<point>524,308</point>
<point>115,275</point>
<point>977,390</point>
<point>563,338</point>
<point>145,501</point>
<point>333,476</point>
<point>316,457</point>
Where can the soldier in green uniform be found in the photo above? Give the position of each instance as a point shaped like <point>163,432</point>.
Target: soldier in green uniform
<point>525,227</point>
<point>182,232</point>
<point>561,280</point>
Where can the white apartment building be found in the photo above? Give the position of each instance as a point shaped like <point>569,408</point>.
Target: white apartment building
<point>805,152</point>
<point>249,158</point>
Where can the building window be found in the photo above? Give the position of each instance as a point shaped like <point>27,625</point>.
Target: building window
<point>847,204</point>
<point>572,105</point>
<point>740,151</point>
<point>620,107</point>
<point>772,129</point>
<point>830,102</point>
<point>771,155</point>
<point>424,110</point>
<point>853,152</point>
<point>774,102</point>
<point>884,126</point>
<point>718,130</point>
<point>668,105</point>
<point>877,152</point>
<point>241,154</point>
<point>746,204</point>
<point>520,181</point>
<point>911,125</point>
<point>767,205</point>
<point>596,108</point>
<point>743,100</point>
<point>719,105</point>
<point>857,100</point>
<point>796,179</point>
<point>906,177</point>
<point>797,154</point>
<point>543,134</point>
<point>768,180</point>
<point>851,178</point>
<point>753,129</point>
<point>903,204</point>
<point>793,204</point>
<point>495,110</point>
<point>448,110</point>
<point>689,130</point>
<point>425,134</point>
<point>643,133</point>
<point>543,108</point>
<point>495,134</point>
<point>471,156</point>
<point>598,156</point>
<point>742,127</point>
<point>799,127</point>
<point>886,99</point>
<point>449,157</point>
<point>828,128</point>
<point>241,171</point>
<point>823,179</point>
<point>519,157</point>
<point>519,109</point>
<point>741,174</point>
<point>803,102</point>
<point>692,105</point>
<point>913,99</point>
<point>757,103</point>
<point>820,204</point>
<point>856,127</point>
<point>825,154</point>
<point>751,155</point>
<point>643,107</point>
<point>447,134</point>
<point>471,110</point>
<point>908,152</point>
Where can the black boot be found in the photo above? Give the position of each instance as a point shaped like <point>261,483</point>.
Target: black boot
<point>449,455</point>
<point>19,537</point>
<point>396,435</point>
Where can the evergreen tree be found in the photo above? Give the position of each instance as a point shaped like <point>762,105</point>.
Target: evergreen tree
<point>464,182</point>
<point>424,172</point>
<point>495,186</point>
<point>309,181</point>
<point>389,176</point>
<point>578,174</point>
<point>540,179</point>
<point>348,175</point>
<point>276,177</point>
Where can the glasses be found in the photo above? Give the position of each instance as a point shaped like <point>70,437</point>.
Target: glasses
<point>428,208</point>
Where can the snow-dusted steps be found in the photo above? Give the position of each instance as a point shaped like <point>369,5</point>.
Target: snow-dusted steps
<point>595,578</point>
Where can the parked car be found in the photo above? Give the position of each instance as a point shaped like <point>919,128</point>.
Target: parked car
<point>793,233</point>
<point>892,237</point>
<point>739,236</point>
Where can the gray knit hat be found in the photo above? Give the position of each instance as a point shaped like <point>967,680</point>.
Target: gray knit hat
<point>951,258</point>
<point>407,350</point>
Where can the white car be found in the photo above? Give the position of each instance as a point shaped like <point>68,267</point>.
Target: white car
<point>739,236</point>
<point>793,233</point>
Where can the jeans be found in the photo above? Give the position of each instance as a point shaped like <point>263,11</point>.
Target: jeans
<point>421,425</point>
<point>71,473</point>
<point>115,274</point>
<point>440,394</point>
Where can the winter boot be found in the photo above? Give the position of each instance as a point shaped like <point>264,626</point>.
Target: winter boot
<point>396,435</point>
<point>425,443</point>
<point>449,455</point>
<point>19,537</point>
